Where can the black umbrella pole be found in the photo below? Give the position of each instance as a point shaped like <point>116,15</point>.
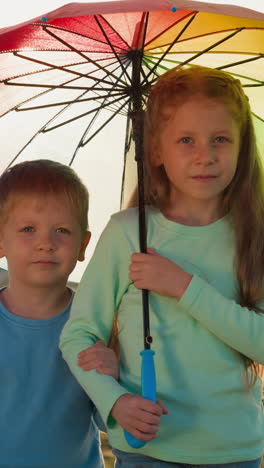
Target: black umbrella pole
<point>137,122</point>
<point>148,376</point>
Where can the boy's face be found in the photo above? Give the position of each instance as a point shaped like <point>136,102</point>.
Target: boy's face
<point>42,240</point>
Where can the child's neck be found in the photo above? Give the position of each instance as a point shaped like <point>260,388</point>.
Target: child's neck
<point>193,215</point>
<point>36,304</point>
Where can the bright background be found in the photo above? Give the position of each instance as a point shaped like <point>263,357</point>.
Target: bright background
<point>100,166</point>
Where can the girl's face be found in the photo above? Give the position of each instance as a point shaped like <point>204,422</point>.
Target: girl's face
<point>199,147</point>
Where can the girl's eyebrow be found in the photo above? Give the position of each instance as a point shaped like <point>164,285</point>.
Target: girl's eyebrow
<point>190,131</point>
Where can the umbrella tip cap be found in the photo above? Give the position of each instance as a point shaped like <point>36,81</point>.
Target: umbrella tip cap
<point>44,19</point>
<point>173,9</point>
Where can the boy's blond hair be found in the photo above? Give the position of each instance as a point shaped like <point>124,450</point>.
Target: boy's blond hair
<point>43,177</point>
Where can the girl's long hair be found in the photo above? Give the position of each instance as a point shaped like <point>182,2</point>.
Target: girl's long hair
<point>243,198</point>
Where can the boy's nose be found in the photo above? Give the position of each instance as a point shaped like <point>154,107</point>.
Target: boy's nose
<point>46,243</point>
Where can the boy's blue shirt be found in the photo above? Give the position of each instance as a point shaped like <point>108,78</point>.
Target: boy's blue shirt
<point>46,419</point>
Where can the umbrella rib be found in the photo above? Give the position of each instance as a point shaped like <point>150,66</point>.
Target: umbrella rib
<point>57,67</point>
<point>102,106</point>
<point>214,45</point>
<point>141,38</point>
<point>186,62</point>
<point>223,67</point>
<point>113,50</point>
<point>36,134</point>
<point>253,85</point>
<point>55,104</point>
<point>58,28</point>
<point>88,59</point>
<point>256,82</point>
<point>257,117</point>
<point>115,31</point>
<point>42,130</point>
<point>52,69</point>
<point>114,105</point>
<point>35,85</point>
<point>48,91</point>
<point>170,46</point>
<point>80,144</point>
<point>83,143</point>
<point>148,62</point>
<point>128,140</point>
<point>149,59</point>
<point>37,95</point>
<point>154,38</point>
<point>106,122</point>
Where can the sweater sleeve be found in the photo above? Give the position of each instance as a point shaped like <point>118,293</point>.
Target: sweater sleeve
<point>240,328</point>
<point>96,300</point>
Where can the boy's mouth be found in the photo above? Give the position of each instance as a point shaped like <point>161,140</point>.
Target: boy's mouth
<point>45,262</point>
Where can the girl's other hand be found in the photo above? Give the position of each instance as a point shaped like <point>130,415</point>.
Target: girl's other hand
<point>138,416</point>
<point>158,274</point>
<point>101,358</point>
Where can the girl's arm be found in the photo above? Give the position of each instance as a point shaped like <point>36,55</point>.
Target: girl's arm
<point>92,315</point>
<point>238,327</point>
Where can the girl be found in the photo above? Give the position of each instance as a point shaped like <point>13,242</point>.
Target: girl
<point>205,224</point>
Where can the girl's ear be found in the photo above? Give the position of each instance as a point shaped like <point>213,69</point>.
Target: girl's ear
<point>84,244</point>
<point>155,158</point>
<point>155,153</point>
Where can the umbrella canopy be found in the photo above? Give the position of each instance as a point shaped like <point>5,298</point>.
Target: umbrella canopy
<point>72,80</point>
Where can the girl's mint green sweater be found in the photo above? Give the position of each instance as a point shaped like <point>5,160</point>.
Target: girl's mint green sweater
<point>198,341</point>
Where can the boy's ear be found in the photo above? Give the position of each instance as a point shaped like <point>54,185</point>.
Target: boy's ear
<point>84,244</point>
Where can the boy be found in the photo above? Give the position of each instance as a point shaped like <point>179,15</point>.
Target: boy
<point>46,419</point>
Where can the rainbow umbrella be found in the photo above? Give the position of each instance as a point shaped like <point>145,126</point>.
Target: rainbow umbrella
<point>77,70</point>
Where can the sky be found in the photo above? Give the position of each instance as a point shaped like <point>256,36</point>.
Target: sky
<point>16,12</point>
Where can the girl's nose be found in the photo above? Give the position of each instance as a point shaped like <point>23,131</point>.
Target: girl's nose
<point>205,154</point>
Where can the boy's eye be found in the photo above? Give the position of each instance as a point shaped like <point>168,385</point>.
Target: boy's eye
<point>63,230</point>
<point>186,139</point>
<point>27,229</point>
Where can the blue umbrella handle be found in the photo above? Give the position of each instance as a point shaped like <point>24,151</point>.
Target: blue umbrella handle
<point>148,386</point>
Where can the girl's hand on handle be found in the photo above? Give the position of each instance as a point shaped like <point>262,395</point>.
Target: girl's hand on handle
<point>138,416</point>
<point>101,358</point>
<point>158,274</point>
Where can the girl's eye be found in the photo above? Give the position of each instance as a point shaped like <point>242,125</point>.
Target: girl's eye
<point>220,139</point>
<point>63,230</point>
<point>27,229</point>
